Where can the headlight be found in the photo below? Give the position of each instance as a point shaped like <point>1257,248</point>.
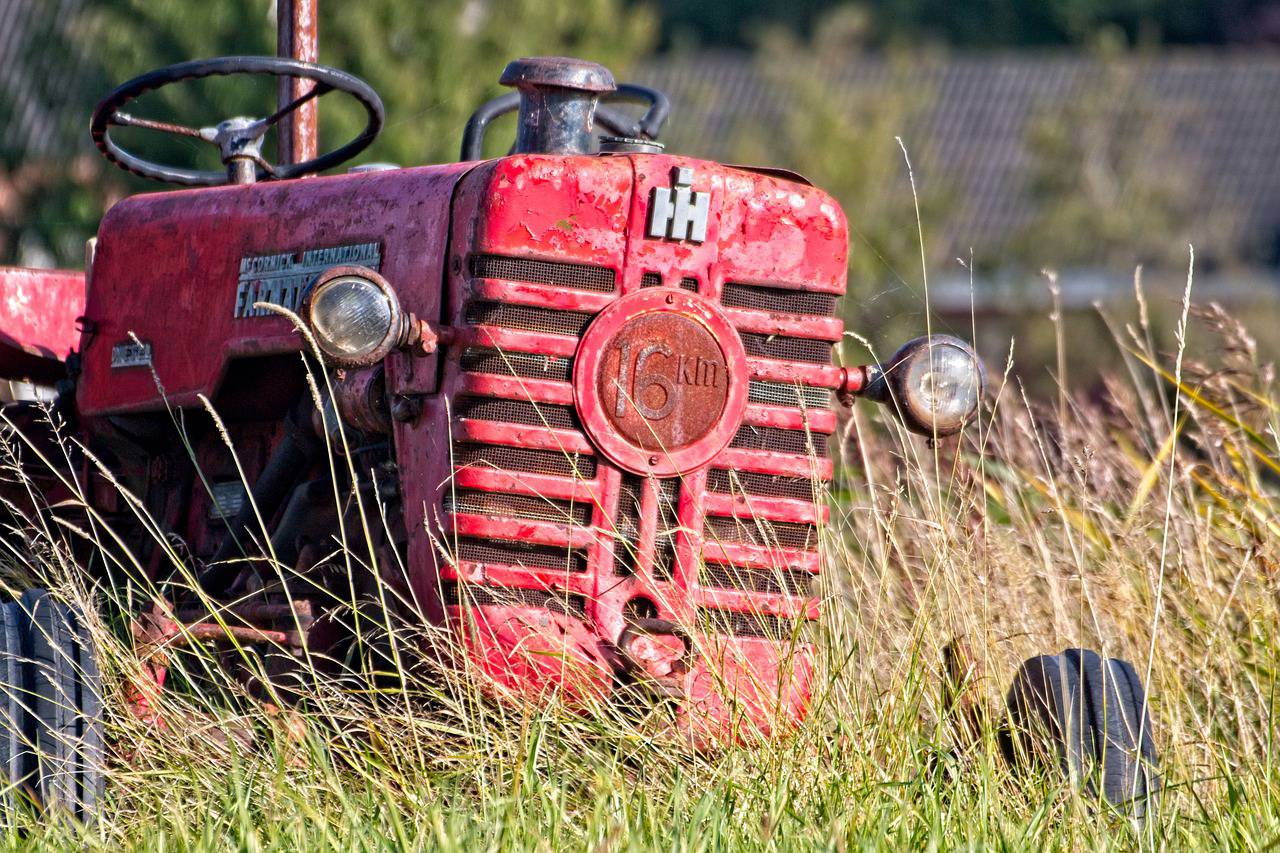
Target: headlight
<point>354,316</point>
<point>936,382</point>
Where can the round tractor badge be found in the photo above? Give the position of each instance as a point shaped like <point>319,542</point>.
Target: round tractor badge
<point>659,382</point>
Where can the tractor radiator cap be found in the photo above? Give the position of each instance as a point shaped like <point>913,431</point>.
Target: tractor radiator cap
<point>561,72</point>
<point>558,97</point>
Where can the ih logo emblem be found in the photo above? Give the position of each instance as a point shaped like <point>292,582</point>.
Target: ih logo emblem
<point>679,212</point>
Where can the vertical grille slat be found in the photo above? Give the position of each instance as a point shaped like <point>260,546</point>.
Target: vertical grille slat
<point>627,527</point>
<point>664,552</point>
<point>534,271</point>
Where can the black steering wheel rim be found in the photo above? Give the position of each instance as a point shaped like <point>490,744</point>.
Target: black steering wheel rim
<point>223,66</point>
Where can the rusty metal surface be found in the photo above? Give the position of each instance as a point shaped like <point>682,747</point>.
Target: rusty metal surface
<point>38,312</point>
<point>297,37</point>
<point>660,383</point>
<point>510,336</point>
<point>168,266</point>
<point>558,99</point>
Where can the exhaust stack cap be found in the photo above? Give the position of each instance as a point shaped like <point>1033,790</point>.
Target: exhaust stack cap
<point>558,97</point>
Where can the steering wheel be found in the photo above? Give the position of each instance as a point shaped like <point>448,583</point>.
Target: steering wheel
<point>647,127</point>
<point>239,140</point>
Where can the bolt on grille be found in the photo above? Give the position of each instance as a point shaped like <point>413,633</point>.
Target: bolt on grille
<point>778,300</point>
<point>664,552</point>
<point>517,412</point>
<point>477,502</point>
<point>747,624</point>
<point>520,555</point>
<point>627,528</point>
<point>787,349</point>
<point>795,441</point>
<point>723,481</point>
<point>525,318</point>
<point>526,460</point>
<point>781,581</point>
<point>788,394</point>
<point>524,364</point>
<point>758,531</point>
<point>579,276</point>
<point>474,594</point>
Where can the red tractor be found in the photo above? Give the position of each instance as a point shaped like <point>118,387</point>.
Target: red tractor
<point>579,399</point>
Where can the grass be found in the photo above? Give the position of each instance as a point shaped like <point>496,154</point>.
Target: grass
<point>1135,520</point>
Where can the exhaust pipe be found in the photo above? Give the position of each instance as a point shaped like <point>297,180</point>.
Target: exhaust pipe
<point>558,99</point>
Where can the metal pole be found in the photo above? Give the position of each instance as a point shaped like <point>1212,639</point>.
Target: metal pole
<point>297,38</point>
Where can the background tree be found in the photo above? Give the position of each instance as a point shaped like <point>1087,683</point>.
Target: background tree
<point>431,63</point>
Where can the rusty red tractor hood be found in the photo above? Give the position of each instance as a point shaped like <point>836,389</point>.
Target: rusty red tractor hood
<point>601,408</point>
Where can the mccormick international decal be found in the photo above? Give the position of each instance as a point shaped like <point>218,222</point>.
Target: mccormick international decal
<point>284,279</point>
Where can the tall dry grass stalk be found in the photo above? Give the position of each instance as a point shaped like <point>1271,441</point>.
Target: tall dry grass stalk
<point>1140,518</point>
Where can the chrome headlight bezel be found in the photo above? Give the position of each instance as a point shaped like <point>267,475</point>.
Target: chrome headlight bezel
<point>376,349</point>
<point>900,383</point>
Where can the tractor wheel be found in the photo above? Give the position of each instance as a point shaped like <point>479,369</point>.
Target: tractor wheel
<point>1091,713</point>
<point>51,742</point>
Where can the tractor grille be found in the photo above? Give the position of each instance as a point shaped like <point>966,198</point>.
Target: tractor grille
<point>527,319</point>
<point>796,441</point>
<point>789,394</point>
<point>505,505</point>
<point>664,549</point>
<point>739,624</point>
<point>651,279</point>
<point>523,364</point>
<point>767,485</point>
<point>776,581</point>
<point>481,596</point>
<point>784,348</point>
<point>757,531</point>
<point>778,300</point>
<point>579,276</point>
<point>520,555</point>
<point>517,412</point>
<point>627,526</point>
<point>525,460</point>
<point>689,284</point>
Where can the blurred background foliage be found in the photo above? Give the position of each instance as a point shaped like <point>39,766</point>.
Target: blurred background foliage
<point>858,89</point>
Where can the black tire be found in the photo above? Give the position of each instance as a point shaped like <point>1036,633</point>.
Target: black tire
<point>1090,713</point>
<point>17,760</point>
<point>61,709</point>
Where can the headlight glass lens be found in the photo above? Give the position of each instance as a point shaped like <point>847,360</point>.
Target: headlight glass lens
<point>351,317</point>
<point>942,384</point>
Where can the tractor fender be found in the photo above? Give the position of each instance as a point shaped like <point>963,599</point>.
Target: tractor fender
<point>38,312</point>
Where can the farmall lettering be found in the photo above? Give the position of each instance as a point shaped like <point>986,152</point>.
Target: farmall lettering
<point>679,212</point>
